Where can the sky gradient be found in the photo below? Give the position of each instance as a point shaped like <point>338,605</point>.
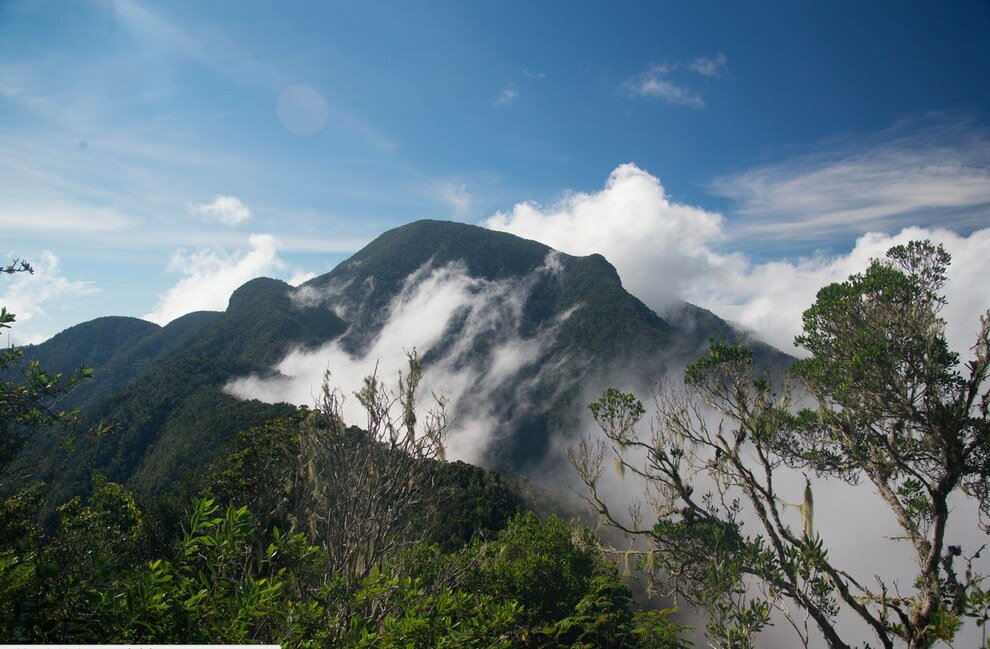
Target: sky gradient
<point>153,156</point>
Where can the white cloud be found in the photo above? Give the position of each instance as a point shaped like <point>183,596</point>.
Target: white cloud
<point>61,217</point>
<point>770,297</point>
<point>210,275</point>
<point>654,85</point>
<point>533,74</point>
<point>664,251</point>
<point>228,210</point>
<point>507,97</point>
<point>934,174</point>
<point>26,296</point>
<point>670,82</point>
<point>708,66</point>
<point>659,246</point>
<point>456,196</point>
<point>488,314</point>
<point>300,277</point>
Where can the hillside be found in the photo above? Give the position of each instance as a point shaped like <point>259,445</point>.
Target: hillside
<point>525,335</point>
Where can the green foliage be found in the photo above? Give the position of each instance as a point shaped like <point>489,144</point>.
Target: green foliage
<point>894,408</point>
<point>172,416</point>
<point>211,592</point>
<point>535,584</point>
<point>30,399</point>
<point>570,594</point>
<point>617,410</point>
<point>52,586</point>
<point>418,615</point>
<point>258,469</point>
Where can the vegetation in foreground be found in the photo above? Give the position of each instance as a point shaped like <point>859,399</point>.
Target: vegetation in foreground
<point>894,411</point>
<point>308,532</point>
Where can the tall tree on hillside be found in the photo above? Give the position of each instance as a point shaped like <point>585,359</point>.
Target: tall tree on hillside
<point>893,408</point>
<point>358,489</point>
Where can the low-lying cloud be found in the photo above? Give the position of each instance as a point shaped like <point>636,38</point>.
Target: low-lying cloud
<point>469,330</point>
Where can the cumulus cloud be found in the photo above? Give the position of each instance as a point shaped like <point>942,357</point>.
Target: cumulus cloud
<point>934,173</point>
<point>486,353</point>
<point>769,298</point>
<point>659,246</point>
<point>210,275</point>
<point>27,296</point>
<point>671,82</point>
<point>666,251</point>
<point>228,210</point>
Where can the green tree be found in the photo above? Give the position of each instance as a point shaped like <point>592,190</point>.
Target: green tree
<point>894,408</point>
<point>30,399</point>
<point>570,594</point>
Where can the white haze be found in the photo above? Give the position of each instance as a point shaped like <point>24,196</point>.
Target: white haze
<point>210,275</point>
<point>855,524</point>
<point>666,251</point>
<point>431,300</point>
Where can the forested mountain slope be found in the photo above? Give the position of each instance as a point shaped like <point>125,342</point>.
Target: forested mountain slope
<point>526,333</point>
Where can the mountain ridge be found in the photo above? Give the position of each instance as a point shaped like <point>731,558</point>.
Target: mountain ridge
<point>565,322</point>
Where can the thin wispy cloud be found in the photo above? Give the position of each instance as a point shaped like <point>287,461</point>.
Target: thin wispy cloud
<point>708,66</point>
<point>60,217</point>
<point>655,85</point>
<point>228,210</point>
<point>674,83</point>
<point>533,74</point>
<point>934,172</point>
<point>206,45</point>
<point>507,97</point>
<point>456,196</point>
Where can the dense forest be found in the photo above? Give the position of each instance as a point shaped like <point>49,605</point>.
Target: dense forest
<point>305,530</point>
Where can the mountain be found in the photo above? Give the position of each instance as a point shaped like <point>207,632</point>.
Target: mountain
<point>118,349</point>
<point>169,421</point>
<point>517,335</point>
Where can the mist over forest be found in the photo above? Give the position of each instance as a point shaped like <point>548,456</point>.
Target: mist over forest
<point>435,324</point>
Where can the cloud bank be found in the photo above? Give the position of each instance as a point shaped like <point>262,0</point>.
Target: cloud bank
<point>471,338</point>
<point>665,251</point>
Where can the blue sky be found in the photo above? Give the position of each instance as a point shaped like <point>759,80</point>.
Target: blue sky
<point>154,155</point>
